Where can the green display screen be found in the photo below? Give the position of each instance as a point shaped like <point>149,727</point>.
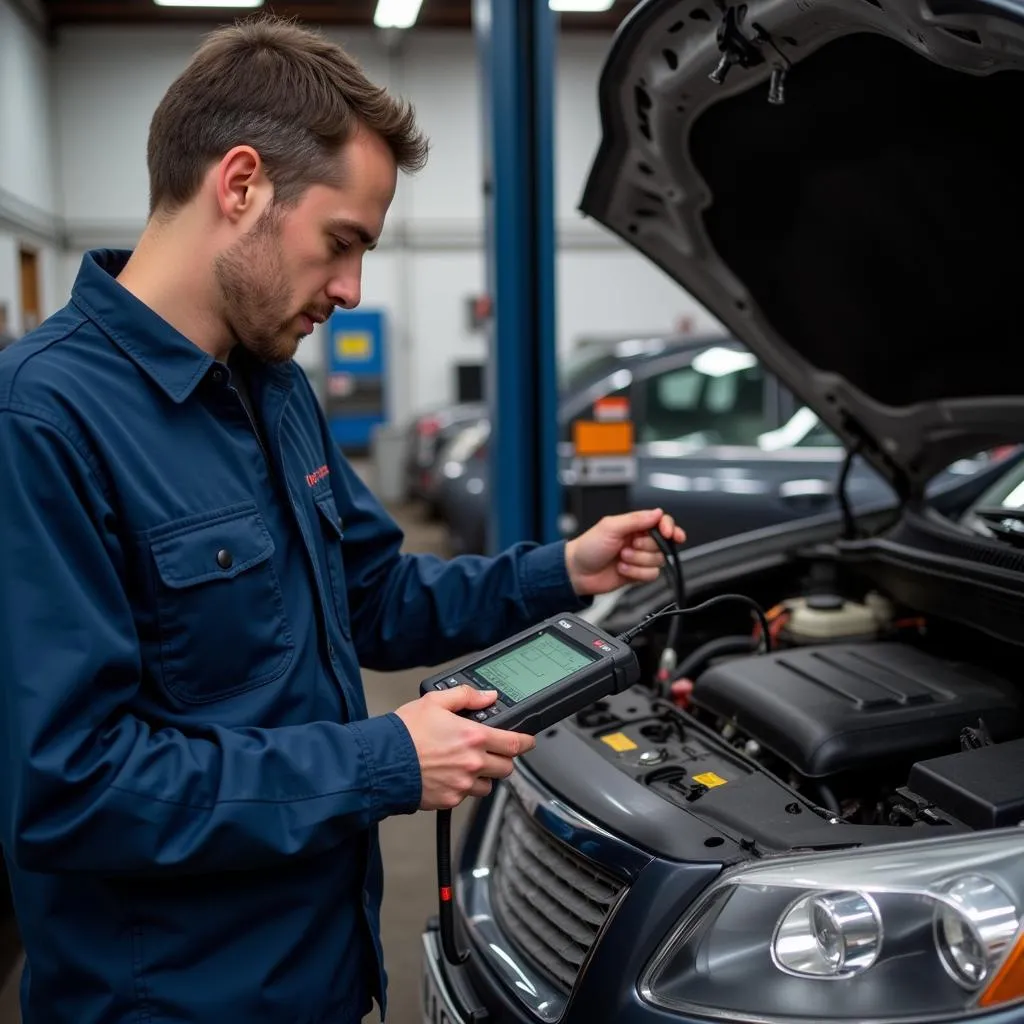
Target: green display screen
<point>529,668</point>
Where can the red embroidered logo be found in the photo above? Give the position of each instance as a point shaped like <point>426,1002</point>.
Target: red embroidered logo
<point>317,475</point>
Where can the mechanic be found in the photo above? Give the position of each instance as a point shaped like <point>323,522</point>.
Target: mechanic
<point>192,576</point>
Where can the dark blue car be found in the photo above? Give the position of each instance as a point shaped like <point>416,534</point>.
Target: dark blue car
<point>818,819</point>
<point>721,444</point>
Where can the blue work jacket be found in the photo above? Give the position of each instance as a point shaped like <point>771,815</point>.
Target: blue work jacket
<point>191,785</point>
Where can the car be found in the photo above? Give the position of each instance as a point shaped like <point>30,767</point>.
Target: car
<point>426,435</point>
<point>816,818</point>
<point>720,444</point>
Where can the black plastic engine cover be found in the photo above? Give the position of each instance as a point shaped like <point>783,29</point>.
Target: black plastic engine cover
<point>844,707</point>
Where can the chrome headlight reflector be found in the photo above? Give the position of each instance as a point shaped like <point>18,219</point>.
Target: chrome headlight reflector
<point>902,932</point>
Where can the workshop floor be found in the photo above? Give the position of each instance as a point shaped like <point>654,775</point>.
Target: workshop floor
<point>408,843</point>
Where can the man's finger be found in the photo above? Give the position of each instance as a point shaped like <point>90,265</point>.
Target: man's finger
<point>633,522</point>
<point>461,697</point>
<point>509,744</point>
<point>670,531</point>
<point>643,558</point>
<point>638,573</point>
<point>496,767</point>
<point>643,542</point>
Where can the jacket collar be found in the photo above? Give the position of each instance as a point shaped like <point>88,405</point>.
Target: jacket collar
<point>175,364</point>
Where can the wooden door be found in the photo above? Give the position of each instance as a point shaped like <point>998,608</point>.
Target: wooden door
<point>31,305</point>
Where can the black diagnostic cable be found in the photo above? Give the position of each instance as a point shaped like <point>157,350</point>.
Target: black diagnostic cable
<point>672,610</point>
<point>446,911</point>
<point>670,654</point>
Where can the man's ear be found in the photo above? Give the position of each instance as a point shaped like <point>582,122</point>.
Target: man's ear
<point>242,186</point>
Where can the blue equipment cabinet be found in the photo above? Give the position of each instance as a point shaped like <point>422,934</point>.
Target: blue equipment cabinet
<point>356,380</point>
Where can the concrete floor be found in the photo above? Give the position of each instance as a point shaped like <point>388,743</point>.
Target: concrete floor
<point>407,842</point>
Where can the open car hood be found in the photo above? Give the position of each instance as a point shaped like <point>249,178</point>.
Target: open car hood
<point>863,236</point>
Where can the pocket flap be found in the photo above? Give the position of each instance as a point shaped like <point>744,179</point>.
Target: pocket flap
<point>216,548</point>
<point>329,512</point>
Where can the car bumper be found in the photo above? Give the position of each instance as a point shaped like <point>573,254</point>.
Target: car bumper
<point>499,985</point>
<point>450,996</point>
<point>446,1000</point>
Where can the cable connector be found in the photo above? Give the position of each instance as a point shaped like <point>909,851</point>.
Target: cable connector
<point>667,663</point>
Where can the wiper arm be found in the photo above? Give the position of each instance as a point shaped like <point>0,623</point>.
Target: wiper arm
<point>1007,524</point>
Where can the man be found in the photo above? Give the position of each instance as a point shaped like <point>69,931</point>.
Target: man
<point>192,577</point>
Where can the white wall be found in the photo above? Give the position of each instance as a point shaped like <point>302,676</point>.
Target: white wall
<point>28,198</point>
<point>108,81</point>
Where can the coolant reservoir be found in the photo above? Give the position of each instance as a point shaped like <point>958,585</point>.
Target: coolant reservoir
<point>830,617</point>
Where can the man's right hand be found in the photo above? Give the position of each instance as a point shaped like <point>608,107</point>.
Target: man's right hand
<point>458,757</point>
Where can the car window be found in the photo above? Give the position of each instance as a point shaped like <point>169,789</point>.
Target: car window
<point>1007,492</point>
<point>706,404</point>
<point>585,366</point>
<point>819,436</point>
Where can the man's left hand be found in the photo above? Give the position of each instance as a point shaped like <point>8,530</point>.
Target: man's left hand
<point>618,550</point>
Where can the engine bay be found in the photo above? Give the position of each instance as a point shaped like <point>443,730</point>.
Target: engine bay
<point>863,714</point>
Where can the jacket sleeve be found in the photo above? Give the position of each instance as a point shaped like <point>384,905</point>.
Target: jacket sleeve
<point>416,610</point>
<point>88,785</point>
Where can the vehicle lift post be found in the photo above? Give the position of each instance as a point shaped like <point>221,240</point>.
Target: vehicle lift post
<point>516,46</point>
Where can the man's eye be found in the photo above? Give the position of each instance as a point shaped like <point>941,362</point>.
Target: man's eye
<point>339,246</point>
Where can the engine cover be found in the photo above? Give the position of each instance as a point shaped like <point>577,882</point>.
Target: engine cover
<point>847,707</point>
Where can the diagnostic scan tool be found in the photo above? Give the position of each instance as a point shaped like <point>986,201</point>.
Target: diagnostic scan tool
<point>544,674</point>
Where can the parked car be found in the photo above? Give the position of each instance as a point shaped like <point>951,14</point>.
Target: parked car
<point>426,435</point>
<point>720,444</point>
<point>829,829</point>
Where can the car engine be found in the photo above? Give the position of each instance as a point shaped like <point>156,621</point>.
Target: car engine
<point>850,717</point>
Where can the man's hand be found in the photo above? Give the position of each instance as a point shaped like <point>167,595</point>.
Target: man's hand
<point>458,757</point>
<point>618,550</point>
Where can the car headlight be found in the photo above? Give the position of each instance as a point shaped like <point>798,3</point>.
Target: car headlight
<point>902,932</point>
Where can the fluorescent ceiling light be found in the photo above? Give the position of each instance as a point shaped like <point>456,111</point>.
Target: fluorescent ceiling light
<point>586,6</point>
<point>396,13</point>
<point>208,3</point>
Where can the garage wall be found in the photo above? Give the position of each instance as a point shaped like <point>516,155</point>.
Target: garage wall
<point>28,199</point>
<point>108,81</point>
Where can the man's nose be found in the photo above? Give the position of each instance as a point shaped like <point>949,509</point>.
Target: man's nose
<point>344,290</point>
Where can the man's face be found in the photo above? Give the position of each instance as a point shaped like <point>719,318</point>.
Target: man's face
<point>289,272</point>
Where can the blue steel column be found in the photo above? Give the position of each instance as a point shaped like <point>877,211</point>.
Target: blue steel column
<point>516,44</point>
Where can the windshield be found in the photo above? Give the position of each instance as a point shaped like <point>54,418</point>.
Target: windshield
<point>1007,492</point>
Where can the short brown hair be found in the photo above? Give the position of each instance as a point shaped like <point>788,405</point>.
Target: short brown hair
<point>285,90</point>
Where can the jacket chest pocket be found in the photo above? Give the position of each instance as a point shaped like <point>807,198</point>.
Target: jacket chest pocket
<point>220,610</point>
<point>333,531</point>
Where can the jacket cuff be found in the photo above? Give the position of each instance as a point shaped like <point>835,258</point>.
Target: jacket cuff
<point>392,765</point>
<point>547,589</point>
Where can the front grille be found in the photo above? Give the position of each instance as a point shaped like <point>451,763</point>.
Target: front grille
<point>548,900</point>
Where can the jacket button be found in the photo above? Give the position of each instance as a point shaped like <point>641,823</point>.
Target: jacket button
<point>225,558</point>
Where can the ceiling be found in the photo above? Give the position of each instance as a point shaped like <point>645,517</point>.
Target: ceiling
<point>434,14</point>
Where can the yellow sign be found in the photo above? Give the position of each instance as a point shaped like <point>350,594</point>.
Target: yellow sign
<point>709,779</point>
<point>356,345</point>
<point>619,742</point>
